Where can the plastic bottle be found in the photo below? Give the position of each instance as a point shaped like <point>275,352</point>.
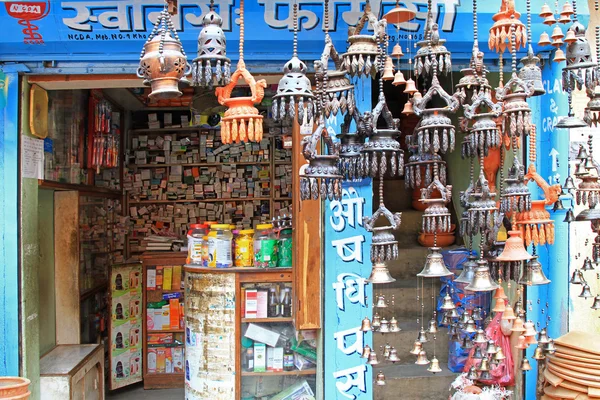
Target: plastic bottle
<point>205,256</point>
<point>265,247</point>
<point>273,304</point>
<point>244,248</point>
<point>195,238</point>
<point>286,303</point>
<point>284,248</point>
<point>219,246</point>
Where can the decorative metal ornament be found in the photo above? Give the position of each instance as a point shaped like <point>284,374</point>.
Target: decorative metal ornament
<point>211,66</point>
<point>242,121</point>
<point>422,336</point>
<point>366,325</point>
<point>361,57</point>
<point>351,144</point>
<point>422,358</point>
<point>471,327</point>
<point>376,323</point>
<point>380,379</point>
<point>384,245</point>
<point>525,366</point>
<point>163,63</point>
<point>385,326</point>
<point>420,167</point>
<point>591,114</point>
<point>550,348</point>
<point>473,374</point>
<point>485,365</point>
<point>434,367</point>
<point>587,265</point>
<point>516,195</point>
<point>514,249</point>
<point>531,72</point>
<point>447,303</point>
<point>434,265</point>
<point>596,304</point>
<point>432,48</point>
<point>432,327</point>
<point>482,282</point>
<point>585,291</point>
<point>393,358</point>
<point>380,274</point>
<point>417,347</point>
<point>373,358</point>
<point>543,337</point>
<point>474,78</point>
<point>394,327</point>
<point>294,87</point>
<point>581,70</point>
<point>533,274</point>
<point>501,29</point>
<point>366,352</point>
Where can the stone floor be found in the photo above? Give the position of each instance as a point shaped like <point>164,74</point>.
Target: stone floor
<point>137,392</point>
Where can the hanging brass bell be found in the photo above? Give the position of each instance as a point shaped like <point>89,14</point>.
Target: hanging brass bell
<point>473,375</point>
<point>366,352</point>
<point>388,69</point>
<point>557,33</point>
<point>587,265</point>
<point>380,274</point>
<point>477,354</point>
<point>468,270</point>
<point>576,278</point>
<point>491,348</point>
<point>432,327</point>
<point>549,20</point>
<point>480,337</point>
<point>499,356</point>
<point>569,183</point>
<point>408,108</point>
<point>500,294</point>
<point>558,206</point>
<point>470,327</point>
<point>465,317</point>
<point>569,217</point>
<point>485,376</point>
<point>485,365</point>
<point>585,292</point>
<point>422,358</point>
<point>435,267</point>
<point>434,367</point>
<point>422,336</point>
<point>454,336</point>
<point>518,326</point>
<point>366,325</point>
<point>381,302</point>
<point>519,308</point>
<point>477,314</point>
<point>397,51</point>
<point>393,356</point>
<point>446,320</point>
<point>543,337</point>
<point>533,274</point>
<point>373,358</point>
<point>544,40</point>
<point>447,303</point>
<point>570,38</point>
<point>567,9</point>
<point>466,343</point>
<point>399,79</point>
<point>482,282</point>
<point>380,381</point>
<point>525,366</point>
<point>453,314</point>
<point>410,88</point>
<point>386,351</point>
<point>385,326</point>
<point>564,19</point>
<point>550,348</point>
<point>559,55</point>
<point>417,347</point>
<point>596,304</point>
<point>545,11</point>
<point>508,314</point>
<point>394,327</point>
<point>500,305</point>
<point>514,248</point>
<point>522,343</point>
<point>376,323</point>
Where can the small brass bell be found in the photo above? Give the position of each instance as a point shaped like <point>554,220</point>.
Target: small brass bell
<point>557,33</point>
<point>417,347</point>
<point>422,358</point>
<point>549,20</point>
<point>366,352</point>
<point>453,314</point>
<point>422,336</point>
<point>393,356</point>
<point>480,337</point>
<point>470,327</point>
<point>587,265</point>
<point>508,314</point>
<point>376,323</point>
<point>525,366</point>
<point>366,325</point>
<point>550,348</point>
<point>585,292</point>
<point>558,206</point>
<point>538,354</point>
<point>388,69</point>
<point>467,343</point>
<point>499,293</point>
<point>596,304</point>
<point>543,337</point>
<point>569,184</point>
<point>518,326</point>
<point>446,320</point>
<point>491,348</point>
<point>485,365</point>
<point>408,108</point>
<point>477,354</point>
<point>567,9</point>
<point>386,350</point>
<point>545,11</point>
<point>373,358</point>
<point>519,308</point>
<point>434,267</point>
<point>499,356</point>
<point>410,88</point>
<point>569,217</point>
<point>544,40</point>
<point>432,327</point>
<point>473,375</point>
<point>380,381</point>
<point>434,367</point>
<point>381,302</point>
<point>500,305</point>
<point>477,314</point>
<point>485,376</point>
<point>385,326</point>
<point>570,38</point>
<point>399,79</point>
<point>447,303</point>
<point>394,327</point>
<point>468,270</point>
<point>589,163</point>
<point>576,278</point>
<point>465,317</point>
<point>559,56</point>
<point>522,343</point>
<point>454,337</point>
<point>380,274</point>
<point>397,51</point>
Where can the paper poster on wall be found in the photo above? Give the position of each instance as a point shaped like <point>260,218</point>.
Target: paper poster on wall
<point>32,157</point>
<point>125,325</point>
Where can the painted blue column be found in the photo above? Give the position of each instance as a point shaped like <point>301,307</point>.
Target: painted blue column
<point>552,146</point>
<point>9,243</point>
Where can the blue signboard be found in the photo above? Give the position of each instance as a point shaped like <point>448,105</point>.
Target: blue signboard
<point>348,297</point>
<point>114,30</point>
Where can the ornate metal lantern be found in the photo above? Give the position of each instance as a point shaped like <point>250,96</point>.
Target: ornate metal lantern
<point>432,48</point>
<point>242,121</point>
<point>294,87</point>
<point>516,195</point>
<point>436,217</point>
<point>163,62</point>
<point>351,144</point>
<point>481,208</point>
<point>588,190</point>
<point>500,32</point>
<point>581,70</point>
<point>211,50</point>
<point>531,72</point>
<point>419,168</point>
<point>361,57</point>
<point>484,131</point>
<point>384,245</point>
<point>591,114</point>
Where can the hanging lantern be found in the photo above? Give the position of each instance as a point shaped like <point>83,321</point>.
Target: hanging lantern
<point>361,57</point>
<point>384,246</point>
<point>591,114</point>
<point>516,195</point>
<point>420,167</point>
<point>432,48</point>
<point>481,208</point>
<point>531,72</point>
<point>351,144</point>
<point>436,217</point>
<point>501,29</point>
<point>294,87</point>
<point>474,78</point>
<point>163,62</point>
<point>581,70</point>
<point>211,51</point>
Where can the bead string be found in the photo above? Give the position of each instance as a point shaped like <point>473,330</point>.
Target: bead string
<point>532,151</point>
<point>529,22</point>
<point>212,5</point>
<point>574,11</point>
<point>295,14</point>
<point>241,60</point>
<point>513,45</point>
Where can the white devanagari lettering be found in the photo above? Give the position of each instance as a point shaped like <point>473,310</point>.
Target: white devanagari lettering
<point>355,377</point>
<point>349,249</point>
<point>353,287</point>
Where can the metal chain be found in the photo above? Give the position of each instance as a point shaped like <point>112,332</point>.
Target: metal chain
<point>241,60</point>
<point>295,14</point>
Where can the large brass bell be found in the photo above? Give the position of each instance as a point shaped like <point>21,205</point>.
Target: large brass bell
<point>533,274</point>
<point>485,365</point>
<point>432,327</point>
<point>468,270</point>
<point>380,274</point>
<point>482,282</point>
<point>366,325</point>
<point>417,347</point>
<point>394,327</point>
<point>393,356</point>
<point>585,292</point>
<point>473,375</point>
<point>470,327</point>
<point>422,358</point>
<point>480,337</point>
<point>366,352</point>
<point>434,367</point>
<point>380,380</point>
<point>522,343</point>
<point>373,358</point>
<point>525,366</point>
<point>422,337</point>
<point>434,265</point>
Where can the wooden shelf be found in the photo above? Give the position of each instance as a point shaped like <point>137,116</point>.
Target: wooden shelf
<point>201,201</point>
<point>219,164</point>
<point>90,292</point>
<point>283,198</point>
<point>269,320</point>
<point>167,331</point>
<point>281,373</point>
<point>171,130</point>
<point>164,374</point>
<point>80,188</point>
<point>283,163</point>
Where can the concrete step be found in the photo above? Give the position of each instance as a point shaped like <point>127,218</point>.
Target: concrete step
<point>410,228</point>
<point>413,382</point>
<point>403,341</point>
<point>404,292</point>
<point>396,196</point>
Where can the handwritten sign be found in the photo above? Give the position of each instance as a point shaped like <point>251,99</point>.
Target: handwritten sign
<point>32,157</point>
<point>347,294</point>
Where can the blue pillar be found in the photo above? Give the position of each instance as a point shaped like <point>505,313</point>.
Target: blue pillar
<point>552,146</point>
<point>9,243</point>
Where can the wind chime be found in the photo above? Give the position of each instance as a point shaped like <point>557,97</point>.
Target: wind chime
<point>294,87</point>
<point>530,71</point>
<point>591,114</point>
<point>211,50</point>
<point>361,58</point>
<point>242,121</point>
<point>163,63</point>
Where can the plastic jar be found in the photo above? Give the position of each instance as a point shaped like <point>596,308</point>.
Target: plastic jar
<point>205,243</point>
<point>219,246</point>
<point>284,248</point>
<point>243,248</point>
<point>195,238</point>
<point>265,247</point>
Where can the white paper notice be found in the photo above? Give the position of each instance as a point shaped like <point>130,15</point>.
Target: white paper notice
<point>32,158</point>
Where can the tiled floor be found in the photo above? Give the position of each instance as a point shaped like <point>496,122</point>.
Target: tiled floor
<point>137,392</point>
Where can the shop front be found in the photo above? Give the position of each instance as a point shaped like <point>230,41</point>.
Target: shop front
<point>104,185</point>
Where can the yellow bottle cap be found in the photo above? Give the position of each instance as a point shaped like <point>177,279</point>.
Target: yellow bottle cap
<point>220,226</point>
<point>262,227</point>
<point>247,232</point>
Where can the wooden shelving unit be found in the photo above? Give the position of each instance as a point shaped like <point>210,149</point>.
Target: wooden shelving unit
<point>282,373</point>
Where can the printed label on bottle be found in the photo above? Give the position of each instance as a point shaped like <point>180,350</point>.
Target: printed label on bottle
<point>195,250</point>
<point>266,253</point>
<point>288,360</point>
<point>219,253</point>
